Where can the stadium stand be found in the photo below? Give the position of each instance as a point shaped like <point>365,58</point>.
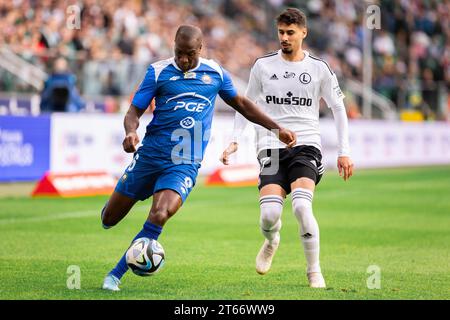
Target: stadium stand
<point>117,39</point>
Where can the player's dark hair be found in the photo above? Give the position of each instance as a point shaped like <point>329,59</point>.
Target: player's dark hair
<point>292,16</point>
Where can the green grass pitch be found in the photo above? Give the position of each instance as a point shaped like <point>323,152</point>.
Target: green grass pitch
<point>395,219</point>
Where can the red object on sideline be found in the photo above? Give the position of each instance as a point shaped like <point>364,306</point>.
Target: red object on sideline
<point>75,184</point>
<point>234,176</point>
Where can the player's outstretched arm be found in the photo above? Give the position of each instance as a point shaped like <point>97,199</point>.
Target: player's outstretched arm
<point>249,110</point>
<point>131,123</point>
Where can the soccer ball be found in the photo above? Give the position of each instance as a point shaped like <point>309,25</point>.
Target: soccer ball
<point>145,257</point>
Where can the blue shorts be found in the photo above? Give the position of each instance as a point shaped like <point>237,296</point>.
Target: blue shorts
<point>147,175</point>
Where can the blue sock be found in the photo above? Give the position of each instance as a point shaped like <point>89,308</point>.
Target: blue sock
<point>151,231</point>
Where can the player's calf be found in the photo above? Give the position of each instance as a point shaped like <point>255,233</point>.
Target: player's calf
<point>165,204</point>
<point>105,224</point>
<point>309,229</point>
<point>271,208</point>
<point>109,219</point>
<point>115,209</point>
<point>159,216</point>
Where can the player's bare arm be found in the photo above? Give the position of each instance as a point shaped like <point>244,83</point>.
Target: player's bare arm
<point>250,111</point>
<point>131,123</point>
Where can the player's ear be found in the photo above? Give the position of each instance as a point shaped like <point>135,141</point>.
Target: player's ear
<point>304,33</point>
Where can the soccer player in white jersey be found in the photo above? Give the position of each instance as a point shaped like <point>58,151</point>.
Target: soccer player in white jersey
<point>287,85</point>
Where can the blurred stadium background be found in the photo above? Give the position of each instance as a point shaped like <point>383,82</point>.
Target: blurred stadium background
<point>116,40</point>
<point>80,61</point>
<point>64,91</point>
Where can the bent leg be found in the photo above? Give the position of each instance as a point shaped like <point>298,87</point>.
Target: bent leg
<point>165,204</point>
<point>116,208</point>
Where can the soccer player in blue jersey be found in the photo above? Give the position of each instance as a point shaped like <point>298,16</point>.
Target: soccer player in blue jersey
<point>166,165</point>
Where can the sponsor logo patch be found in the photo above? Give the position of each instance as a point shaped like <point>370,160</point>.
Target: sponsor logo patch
<point>187,123</point>
<point>190,75</point>
<point>305,78</point>
<point>206,79</point>
<point>288,75</point>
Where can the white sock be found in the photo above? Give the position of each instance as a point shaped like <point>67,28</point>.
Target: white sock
<point>309,229</point>
<point>270,220</point>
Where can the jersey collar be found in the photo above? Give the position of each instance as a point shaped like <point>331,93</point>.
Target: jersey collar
<point>289,62</point>
<point>190,70</point>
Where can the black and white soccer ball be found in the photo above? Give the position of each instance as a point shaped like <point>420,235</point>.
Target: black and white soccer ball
<point>145,257</point>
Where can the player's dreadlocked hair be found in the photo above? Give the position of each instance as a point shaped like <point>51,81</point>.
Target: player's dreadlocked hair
<point>292,15</point>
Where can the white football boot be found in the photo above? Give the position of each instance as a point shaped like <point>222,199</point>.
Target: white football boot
<point>111,283</point>
<point>316,280</point>
<point>265,255</point>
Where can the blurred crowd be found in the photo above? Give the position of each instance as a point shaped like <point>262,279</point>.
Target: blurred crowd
<point>113,30</point>
<point>411,49</point>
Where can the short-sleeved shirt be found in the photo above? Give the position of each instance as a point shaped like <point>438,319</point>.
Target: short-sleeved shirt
<point>184,108</point>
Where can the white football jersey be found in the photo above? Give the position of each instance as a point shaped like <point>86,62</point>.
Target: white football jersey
<point>289,93</point>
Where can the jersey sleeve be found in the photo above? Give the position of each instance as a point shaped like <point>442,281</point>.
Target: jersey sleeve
<point>146,91</point>
<point>341,123</point>
<point>330,90</point>
<point>254,84</point>
<point>333,96</point>
<point>227,90</point>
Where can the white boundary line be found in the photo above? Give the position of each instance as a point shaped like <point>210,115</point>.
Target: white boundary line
<point>58,216</point>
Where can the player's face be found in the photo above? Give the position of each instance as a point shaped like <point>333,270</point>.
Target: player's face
<point>291,37</point>
<point>187,54</point>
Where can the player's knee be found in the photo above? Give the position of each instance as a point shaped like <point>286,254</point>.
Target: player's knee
<point>107,220</point>
<point>302,201</point>
<point>303,212</point>
<point>301,207</point>
<point>161,214</point>
<point>270,215</point>
<point>160,217</point>
<point>269,219</point>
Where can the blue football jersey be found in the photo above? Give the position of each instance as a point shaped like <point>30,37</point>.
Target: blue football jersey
<point>184,107</point>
